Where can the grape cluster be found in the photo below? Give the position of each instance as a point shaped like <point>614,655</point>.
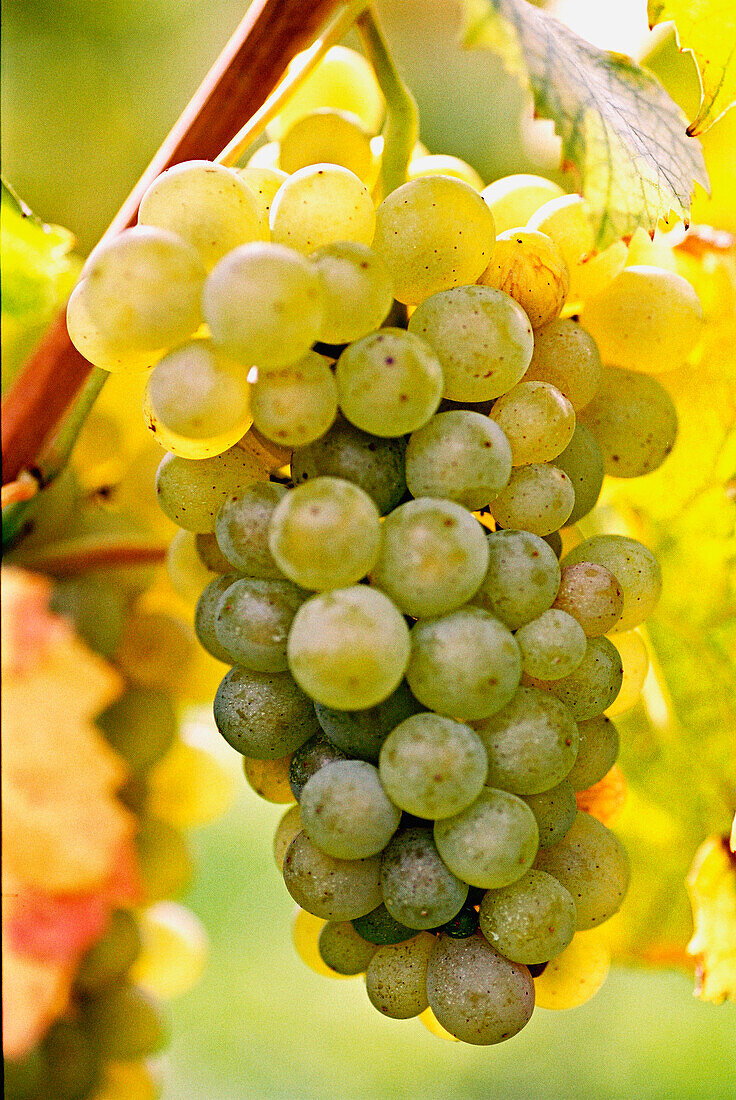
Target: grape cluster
<point>411,660</point>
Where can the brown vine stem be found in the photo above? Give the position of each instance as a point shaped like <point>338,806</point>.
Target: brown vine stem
<point>242,78</point>
<point>103,555</point>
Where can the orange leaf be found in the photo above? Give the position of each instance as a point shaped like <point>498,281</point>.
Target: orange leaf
<point>605,798</point>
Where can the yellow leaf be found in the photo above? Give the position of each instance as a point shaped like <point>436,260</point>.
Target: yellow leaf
<point>712,887</point>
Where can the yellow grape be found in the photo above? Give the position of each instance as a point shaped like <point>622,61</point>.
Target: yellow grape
<point>320,204</point>
<point>530,268</point>
<point>327,136</point>
<point>266,156</point>
<point>514,199</point>
<point>269,778</point>
<point>189,787</point>
<point>264,181</point>
<point>576,974</point>
<point>173,951</point>
<point>305,930</point>
<point>156,650</point>
<point>343,80</point>
<point>635,660</point>
<point>127,1081</point>
<point>441,164</point>
<point>288,827</point>
<point>432,1024</point>
<point>187,572</point>
<point>97,347</point>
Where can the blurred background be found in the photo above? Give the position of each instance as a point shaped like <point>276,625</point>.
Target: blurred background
<point>90,89</point>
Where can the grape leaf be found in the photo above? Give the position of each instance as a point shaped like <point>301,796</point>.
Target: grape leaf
<point>707,29</point>
<point>622,135</point>
<point>712,887</point>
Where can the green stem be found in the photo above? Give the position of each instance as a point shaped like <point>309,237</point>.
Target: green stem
<point>401,128</point>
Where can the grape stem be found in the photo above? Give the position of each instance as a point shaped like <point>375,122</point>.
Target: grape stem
<point>63,562</point>
<point>401,128</point>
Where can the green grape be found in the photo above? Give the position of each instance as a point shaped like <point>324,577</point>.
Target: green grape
<point>211,554</point>
<point>297,404</point>
<point>343,80</point>
<point>320,204</point>
<point>432,559</point>
<point>96,608</point>
<point>241,528</point>
<point>361,733</point>
<point>146,636</point>
<point>263,714</point>
<point>537,420</point>
<point>635,660</point>
<point>459,455</point>
<point>396,978</point>
<point>174,951</point>
<point>264,182</point>
<point>252,621</point>
<point>591,863</point>
<point>142,289</point>
<point>592,595</point>
<point>513,199</point>
<point>334,889</point>
<point>287,828</point>
<point>538,498</point>
<point>551,646</point>
<point>389,383</point>
<point>110,353</point>
<point>634,421</point>
<point>71,1060</point>
<point>466,664</point>
<point>197,402</point>
<point>594,684</point>
<point>635,568</point>
<point>522,578</point>
<point>264,304</point>
<point>646,320</point>
<point>192,491</point>
<point>556,808</point>
<point>483,339</point>
<point>110,956</point>
<point>205,617</point>
<point>357,288</point>
<point>582,461</point>
<point>125,1024</point>
<point>432,766</point>
<point>163,859</point>
<point>207,205</point>
<point>567,357</point>
<point>418,889</point>
<point>325,533</point>
<point>375,464</point>
<point>380,928</point>
<point>349,648</point>
<point>433,233</point>
<point>329,136</point>
<point>492,842</point>
<point>476,994</point>
<point>308,759</point>
<point>464,923</point>
<point>140,725</point>
<point>26,1076</point>
<point>343,950</point>
<point>531,743</point>
<point>529,267</point>
<point>554,540</point>
<point>186,570</point>
<point>346,812</point>
<point>530,921</point>
<point>597,752</point>
<point>441,164</point>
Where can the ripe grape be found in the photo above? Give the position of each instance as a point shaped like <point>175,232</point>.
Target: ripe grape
<point>597,752</point>
<point>361,733</point>
<point>459,455</point>
<point>537,419</point>
<point>321,204</point>
<point>346,812</point>
<point>242,529</point>
<point>379,927</point>
<point>252,621</point>
<point>576,974</point>
<point>264,182</point>
<point>418,889</point>
<point>529,266</point>
<point>529,921</point>
<point>556,808</point>
<point>358,290</point>
<point>308,759</point>
<point>635,660</point>
<point>634,421</point>
<point>551,646</point>
<point>343,950</point>
<point>269,778</point>
<point>594,684</point>
<point>582,461</point>
<point>297,404</point>
<point>396,978</point>
<point>192,491</point>
<point>633,565</point>
<point>440,164</point>
<point>538,498</point>
<point>334,889</point>
<point>491,843</point>
<point>522,578</point>
<point>329,136</point>
<point>513,199</point>
<point>205,617</point>
<point>566,356</point>
<point>592,595</point>
<point>263,714</point>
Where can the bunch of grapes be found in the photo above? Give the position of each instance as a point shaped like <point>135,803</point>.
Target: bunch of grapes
<point>412,663</point>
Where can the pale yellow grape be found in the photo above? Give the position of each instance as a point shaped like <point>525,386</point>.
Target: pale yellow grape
<point>269,778</point>
<point>566,356</point>
<point>597,751</point>
<point>635,660</point>
<point>538,498</point>
<point>592,595</point>
<point>127,1081</point>
<point>482,337</point>
<point>576,974</point>
<point>197,401</point>
<point>358,290</point>
<point>173,951</point>
<point>633,565</point>
<point>529,921</point>
<point>320,204</point>
<point>265,182</point>
<point>189,787</point>
<point>211,555</point>
<point>593,685</point>
<point>142,289</point>
<point>110,354</point>
<point>591,862</point>
<point>207,205</point>
<point>646,320</point>
<point>343,80</point>
<point>529,267</point>
<point>187,572</point>
<point>433,233</point>
<point>264,305</point>
<point>297,404</point>
<point>537,419</point>
<point>327,136</point>
<point>513,199</point>
<point>334,889</point>
<point>634,421</point>
<point>459,455</point>
<point>305,932</point>
<point>191,491</point>
<point>432,1024</point>
<point>396,978</point>
<point>265,156</point>
<point>442,164</point>
<point>582,461</point>
<point>287,828</point>
<point>551,646</point>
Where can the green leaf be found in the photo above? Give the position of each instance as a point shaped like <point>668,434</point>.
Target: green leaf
<point>622,135</point>
<point>707,29</point>
<point>39,271</point>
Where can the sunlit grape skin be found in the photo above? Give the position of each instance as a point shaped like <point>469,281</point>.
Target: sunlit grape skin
<point>529,266</point>
<point>460,455</point>
<point>321,204</point>
<point>492,842</point>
